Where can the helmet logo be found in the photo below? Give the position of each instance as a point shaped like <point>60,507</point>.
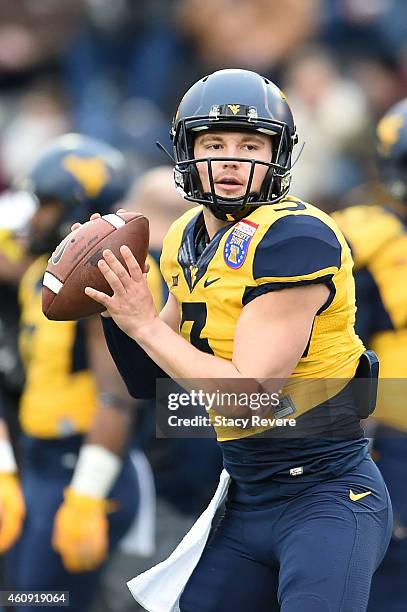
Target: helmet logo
<point>215,111</point>
<point>387,132</point>
<point>285,182</point>
<point>235,108</point>
<point>179,179</point>
<point>90,172</point>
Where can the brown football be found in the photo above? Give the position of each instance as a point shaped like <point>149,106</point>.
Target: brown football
<point>73,264</point>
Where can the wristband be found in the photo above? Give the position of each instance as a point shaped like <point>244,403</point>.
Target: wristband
<point>7,461</point>
<point>96,471</point>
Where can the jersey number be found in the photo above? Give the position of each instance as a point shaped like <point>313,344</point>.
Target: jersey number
<point>197,313</point>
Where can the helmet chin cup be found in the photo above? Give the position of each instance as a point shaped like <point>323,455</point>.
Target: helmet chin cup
<point>230,209</point>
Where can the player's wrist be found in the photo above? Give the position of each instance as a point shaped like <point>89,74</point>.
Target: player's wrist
<point>8,463</point>
<point>144,333</point>
<point>84,503</point>
<point>96,471</point>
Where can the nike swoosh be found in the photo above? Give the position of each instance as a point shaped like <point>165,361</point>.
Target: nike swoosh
<point>357,496</point>
<point>209,282</point>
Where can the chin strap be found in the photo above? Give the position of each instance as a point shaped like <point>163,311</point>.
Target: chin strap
<point>298,156</point>
<point>162,148</point>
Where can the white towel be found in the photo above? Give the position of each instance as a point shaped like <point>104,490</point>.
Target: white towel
<point>159,588</point>
<point>140,538</point>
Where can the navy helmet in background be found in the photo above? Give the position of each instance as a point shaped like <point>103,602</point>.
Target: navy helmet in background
<point>391,146</point>
<point>78,174</point>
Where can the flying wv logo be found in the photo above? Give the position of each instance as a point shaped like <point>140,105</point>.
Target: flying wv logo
<point>235,108</point>
<point>90,172</point>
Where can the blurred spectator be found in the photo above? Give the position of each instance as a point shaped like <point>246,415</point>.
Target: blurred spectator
<point>332,119</point>
<point>376,27</point>
<point>40,117</point>
<point>241,33</point>
<point>33,32</point>
<point>381,79</point>
<point>120,71</point>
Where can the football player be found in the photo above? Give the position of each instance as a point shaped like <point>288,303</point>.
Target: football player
<point>79,485</point>
<point>378,239</point>
<point>261,291</point>
<point>13,262</point>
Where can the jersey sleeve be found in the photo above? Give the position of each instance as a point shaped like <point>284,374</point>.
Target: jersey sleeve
<point>367,229</point>
<point>138,371</point>
<point>296,250</point>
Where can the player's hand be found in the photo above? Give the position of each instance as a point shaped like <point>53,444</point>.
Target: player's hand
<point>12,510</point>
<point>91,218</point>
<point>131,305</point>
<point>81,532</point>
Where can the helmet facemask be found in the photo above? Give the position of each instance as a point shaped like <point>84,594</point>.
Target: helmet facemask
<point>275,184</point>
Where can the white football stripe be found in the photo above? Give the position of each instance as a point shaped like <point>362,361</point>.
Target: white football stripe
<point>52,282</point>
<point>114,220</point>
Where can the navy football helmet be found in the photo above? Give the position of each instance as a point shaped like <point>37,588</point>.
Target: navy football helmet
<point>81,175</point>
<point>391,146</point>
<point>235,100</point>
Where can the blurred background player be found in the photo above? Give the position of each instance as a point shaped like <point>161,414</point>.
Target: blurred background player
<point>75,415</point>
<point>15,209</point>
<point>378,238</point>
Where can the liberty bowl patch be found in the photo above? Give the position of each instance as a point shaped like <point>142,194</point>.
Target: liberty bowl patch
<point>237,243</point>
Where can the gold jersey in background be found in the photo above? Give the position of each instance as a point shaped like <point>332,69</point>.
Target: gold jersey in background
<point>9,247</point>
<point>276,246</point>
<point>60,395</point>
<point>378,239</point>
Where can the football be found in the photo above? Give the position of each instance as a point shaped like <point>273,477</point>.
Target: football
<point>73,264</point>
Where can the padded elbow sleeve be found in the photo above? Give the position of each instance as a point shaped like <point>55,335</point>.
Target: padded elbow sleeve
<point>137,369</point>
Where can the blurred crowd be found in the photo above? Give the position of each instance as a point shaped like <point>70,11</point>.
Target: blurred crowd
<point>116,70</point>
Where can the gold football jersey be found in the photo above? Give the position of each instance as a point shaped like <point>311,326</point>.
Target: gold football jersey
<point>378,239</point>
<point>60,395</point>
<point>9,247</point>
<point>276,246</point>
